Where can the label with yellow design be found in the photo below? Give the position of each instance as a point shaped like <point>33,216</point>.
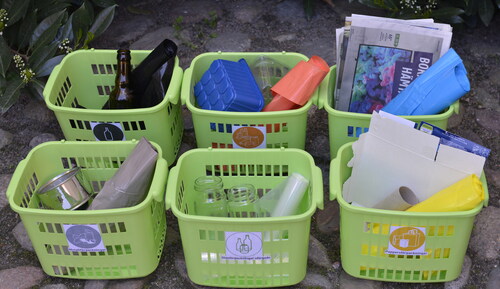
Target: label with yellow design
<point>249,137</point>
<point>406,241</point>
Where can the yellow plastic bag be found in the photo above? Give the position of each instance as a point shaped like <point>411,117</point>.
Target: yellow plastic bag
<point>463,195</point>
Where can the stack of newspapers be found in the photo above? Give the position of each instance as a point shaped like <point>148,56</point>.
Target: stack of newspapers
<point>379,57</point>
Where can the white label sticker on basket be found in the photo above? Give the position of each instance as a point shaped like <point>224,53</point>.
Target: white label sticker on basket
<point>249,137</point>
<point>108,131</point>
<point>84,238</point>
<point>406,241</point>
<point>244,246</point>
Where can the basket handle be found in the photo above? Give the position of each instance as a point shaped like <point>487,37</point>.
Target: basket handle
<point>456,107</point>
<point>158,188</point>
<point>323,89</point>
<point>175,84</point>
<point>186,85</point>
<point>14,181</point>
<point>335,181</point>
<point>318,192</point>
<point>50,82</point>
<point>171,189</point>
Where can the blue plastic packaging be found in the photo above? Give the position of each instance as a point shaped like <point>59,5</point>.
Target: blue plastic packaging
<point>433,91</point>
<point>229,86</point>
<point>453,140</point>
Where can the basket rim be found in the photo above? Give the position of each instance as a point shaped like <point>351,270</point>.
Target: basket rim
<point>159,170</point>
<point>327,84</point>
<point>199,111</point>
<point>106,112</point>
<point>371,211</point>
<point>226,220</point>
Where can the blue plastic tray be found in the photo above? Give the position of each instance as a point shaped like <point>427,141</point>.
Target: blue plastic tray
<point>229,86</point>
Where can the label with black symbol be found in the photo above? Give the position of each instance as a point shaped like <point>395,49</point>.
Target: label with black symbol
<point>244,246</point>
<point>84,238</point>
<point>109,131</point>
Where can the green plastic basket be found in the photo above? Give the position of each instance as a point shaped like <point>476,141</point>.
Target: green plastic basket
<point>86,77</point>
<point>344,127</point>
<point>283,241</point>
<point>365,234</point>
<point>215,128</point>
<point>133,237</point>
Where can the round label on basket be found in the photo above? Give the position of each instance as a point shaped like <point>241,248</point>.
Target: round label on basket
<point>244,246</point>
<point>406,241</point>
<point>84,238</point>
<point>249,137</point>
<point>110,131</point>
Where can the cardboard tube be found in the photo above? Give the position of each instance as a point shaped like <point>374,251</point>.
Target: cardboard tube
<point>401,199</point>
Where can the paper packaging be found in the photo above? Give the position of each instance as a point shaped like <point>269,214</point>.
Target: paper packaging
<point>391,155</point>
<point>130,184</point>
<point>401,199</point>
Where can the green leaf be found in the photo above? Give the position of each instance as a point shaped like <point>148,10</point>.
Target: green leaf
<point>446,12</point>
<point>373,3</point>
<point>10,34</point>
<point>103,20</point>
<point>81,20</point>
<point>103,3</point>
<point>497,2</point>
<point>472,8</point>
<point>42,54</point>
<point>28,25</point>
<point>66,31</point>
<point>309,8</point>
<point>486,11</point>
<point>3,83</point>
<point>57,6</point>
<point>43,4</point>
<point>17,10</point>
<point>90,10</point>
<point>46,31</point>
<point>49,65</point>
<point>88,39</point>
<point>36,87</point>
<point>391,4</point>
<point>5,56</point>
<point>11,94</point>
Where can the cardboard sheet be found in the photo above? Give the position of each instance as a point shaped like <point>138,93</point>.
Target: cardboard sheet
<point>391,155</point>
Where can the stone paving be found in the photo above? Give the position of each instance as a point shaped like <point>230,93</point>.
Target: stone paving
<point>259,26</point>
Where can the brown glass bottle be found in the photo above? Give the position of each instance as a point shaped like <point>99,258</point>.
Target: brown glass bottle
<point>121,97</point>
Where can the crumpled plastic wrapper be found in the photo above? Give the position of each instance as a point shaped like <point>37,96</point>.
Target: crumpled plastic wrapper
<point>433,91</point>
<point>130,184</point>
<point>463,195</point>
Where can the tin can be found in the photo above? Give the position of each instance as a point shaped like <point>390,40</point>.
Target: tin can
<point>67,191</point>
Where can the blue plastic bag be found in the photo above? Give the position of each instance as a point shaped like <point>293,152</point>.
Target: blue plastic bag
<point>433,91</point>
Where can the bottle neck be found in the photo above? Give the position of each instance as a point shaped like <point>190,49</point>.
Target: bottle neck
<point>123,74</point>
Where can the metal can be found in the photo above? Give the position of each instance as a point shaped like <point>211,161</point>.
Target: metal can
<point>67,191</point>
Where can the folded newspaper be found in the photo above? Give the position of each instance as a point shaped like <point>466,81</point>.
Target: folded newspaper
<point>379,57</point>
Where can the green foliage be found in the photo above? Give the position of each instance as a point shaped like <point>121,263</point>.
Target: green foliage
<point>451,11</point>
<point>35,35</point>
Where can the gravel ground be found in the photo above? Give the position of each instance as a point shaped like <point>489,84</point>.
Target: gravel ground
<point>263,26</point>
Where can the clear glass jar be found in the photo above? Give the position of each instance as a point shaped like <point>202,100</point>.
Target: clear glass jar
<point>210,199</point>
<point>242,201</point>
